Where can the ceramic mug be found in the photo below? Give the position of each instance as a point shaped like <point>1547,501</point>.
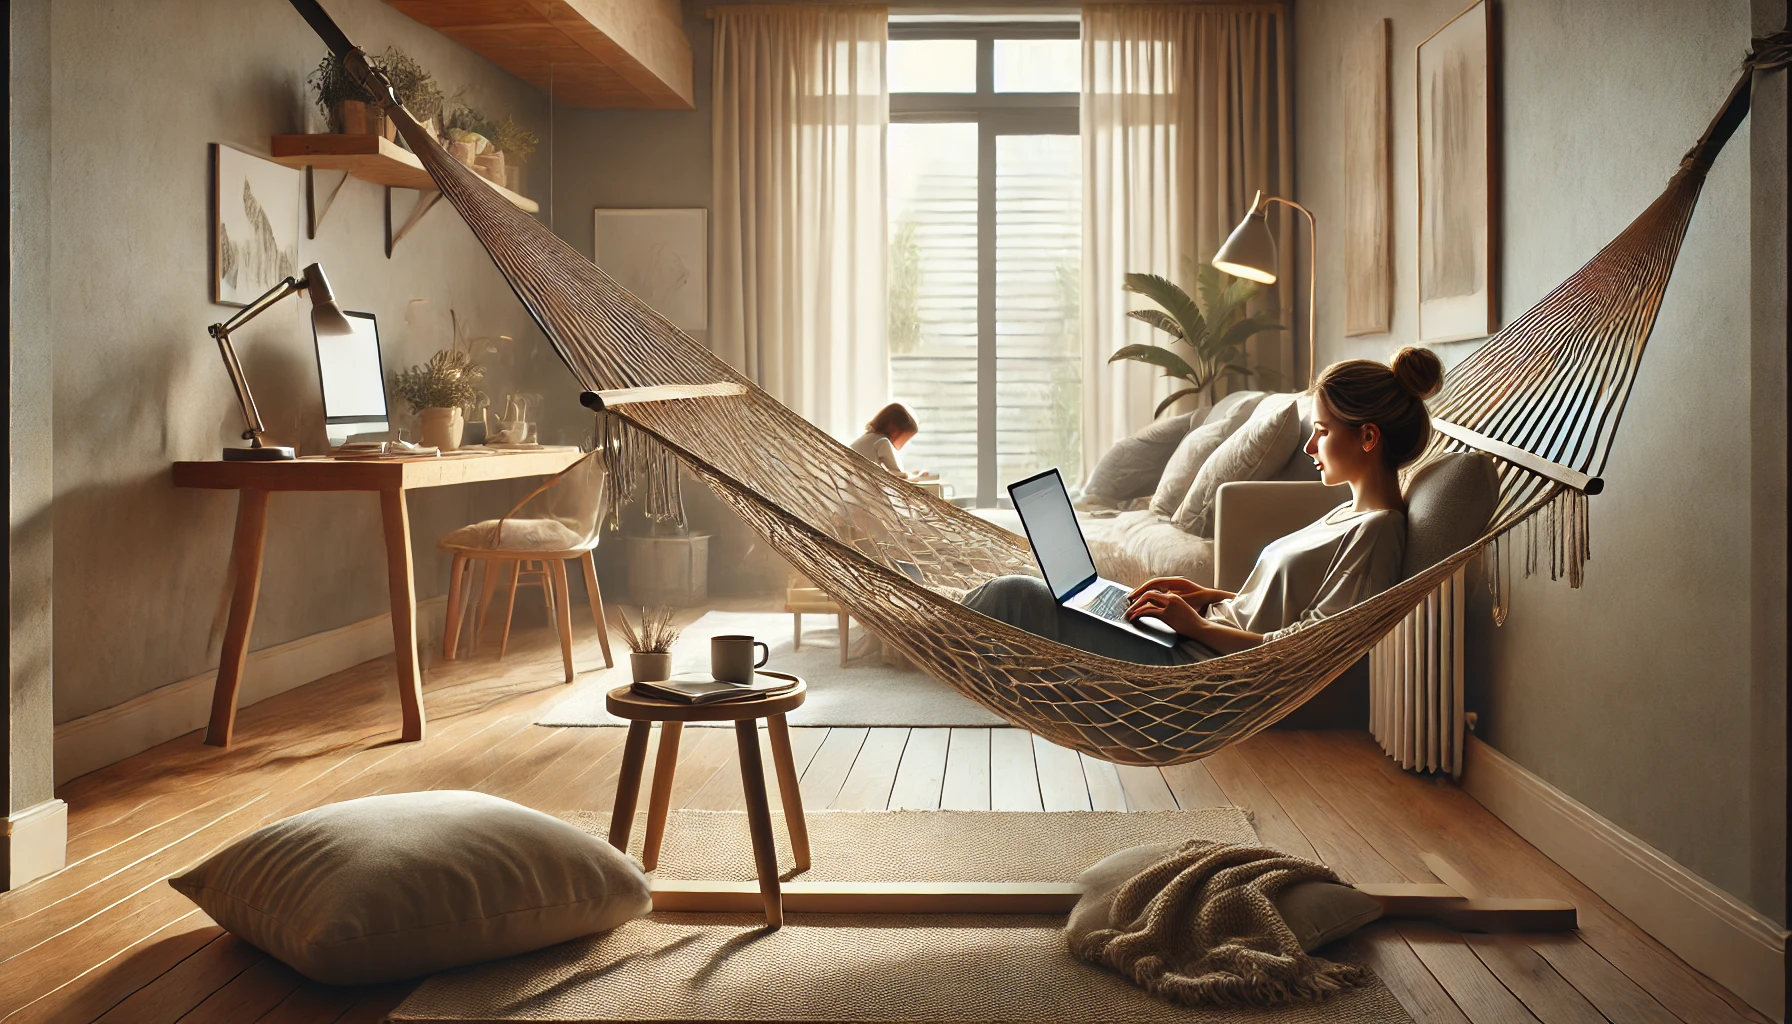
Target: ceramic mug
<point>731,658</point>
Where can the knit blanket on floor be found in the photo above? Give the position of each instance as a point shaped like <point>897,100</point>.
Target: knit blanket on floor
<point>1200,928</point>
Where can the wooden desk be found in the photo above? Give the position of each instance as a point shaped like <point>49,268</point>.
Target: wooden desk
<point>391,478</point>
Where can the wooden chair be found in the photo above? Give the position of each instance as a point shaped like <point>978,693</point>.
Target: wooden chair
<point>558,522</point>
<point>802,597</point>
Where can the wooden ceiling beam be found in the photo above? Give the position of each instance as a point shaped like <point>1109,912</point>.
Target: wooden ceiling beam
<point>585,53</point>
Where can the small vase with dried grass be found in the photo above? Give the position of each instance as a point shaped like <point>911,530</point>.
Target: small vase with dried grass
<point>650,646</point>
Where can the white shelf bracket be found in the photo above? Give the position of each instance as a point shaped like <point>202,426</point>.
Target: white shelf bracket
<point>425,203</point>
<point>314,211</point>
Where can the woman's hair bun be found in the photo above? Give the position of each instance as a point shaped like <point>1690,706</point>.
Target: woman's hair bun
<point>1419,371</point>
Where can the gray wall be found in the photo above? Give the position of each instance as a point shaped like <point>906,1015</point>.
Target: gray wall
<point>26,755</point>
<point>138,91</point>
<point>1634,694</point>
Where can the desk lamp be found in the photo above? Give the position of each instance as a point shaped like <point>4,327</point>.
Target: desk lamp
<point>1250,253</point>
<point>325,318</point>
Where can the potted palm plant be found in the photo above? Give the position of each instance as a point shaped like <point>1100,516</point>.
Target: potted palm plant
<point>438,391</point>
<point>1212,327</point>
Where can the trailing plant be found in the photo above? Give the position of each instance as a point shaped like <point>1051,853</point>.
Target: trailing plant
<point>656,635</point>
<point>1213,326</point>
<point>449,380</point>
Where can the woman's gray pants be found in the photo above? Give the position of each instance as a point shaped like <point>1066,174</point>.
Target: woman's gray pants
<point>1026,602</point>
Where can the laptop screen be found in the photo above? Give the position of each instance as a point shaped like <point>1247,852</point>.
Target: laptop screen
<point>1045,511</point>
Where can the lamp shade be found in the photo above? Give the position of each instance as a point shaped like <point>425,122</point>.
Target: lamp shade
<point>1250,250</point>
<point>326,316</point>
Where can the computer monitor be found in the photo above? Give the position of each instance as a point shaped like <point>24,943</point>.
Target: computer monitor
<point>354,383</point>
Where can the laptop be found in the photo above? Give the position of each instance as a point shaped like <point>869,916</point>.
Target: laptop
<point>1063,555</point>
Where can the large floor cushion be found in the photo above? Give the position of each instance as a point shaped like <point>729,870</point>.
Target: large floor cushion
<point>396,886</point>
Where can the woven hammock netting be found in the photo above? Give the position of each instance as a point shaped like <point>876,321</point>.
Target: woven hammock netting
<point>1554,382</point>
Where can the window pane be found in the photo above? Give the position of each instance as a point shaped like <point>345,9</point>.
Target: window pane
<point>1039,363</point>
<point>1039,65</point>
<point>932,65</point>
<point>933,294</point>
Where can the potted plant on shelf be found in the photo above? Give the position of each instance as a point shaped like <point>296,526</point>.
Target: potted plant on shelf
<point>516,144</point>
<point>1213,326</point>
<point>348,108</point>
<point>437,392</point>
<point>650,649</point>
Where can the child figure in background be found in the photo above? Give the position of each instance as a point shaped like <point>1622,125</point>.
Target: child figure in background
<point>885,435</point>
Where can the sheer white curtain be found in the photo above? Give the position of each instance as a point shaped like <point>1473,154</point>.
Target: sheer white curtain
<point>1184,116</point>
<point>799,112</point>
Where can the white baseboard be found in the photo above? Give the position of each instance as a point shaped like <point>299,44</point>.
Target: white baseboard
<point>1711,930</point>
<point>36,841</point>
<point>115,733</point>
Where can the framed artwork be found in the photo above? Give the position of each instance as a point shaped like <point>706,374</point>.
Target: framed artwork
<point>662,256</point>
<point>255,225</point>
<point>1457,248</point>
<point>1368,186</point>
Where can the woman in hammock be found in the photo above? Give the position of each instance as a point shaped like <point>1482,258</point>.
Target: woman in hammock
<point>1369,419</point>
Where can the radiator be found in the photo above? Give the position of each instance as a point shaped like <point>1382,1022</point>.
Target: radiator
<point>1415,684</point>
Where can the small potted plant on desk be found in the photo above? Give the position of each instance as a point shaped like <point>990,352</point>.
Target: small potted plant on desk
<point>650,649</point>
<point>438,391</point>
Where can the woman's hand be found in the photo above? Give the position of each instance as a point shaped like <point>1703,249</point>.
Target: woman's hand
<point>1197,596</point>
<point>1172,610</point>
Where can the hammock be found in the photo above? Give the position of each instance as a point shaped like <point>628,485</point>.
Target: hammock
<point>1545,395</point>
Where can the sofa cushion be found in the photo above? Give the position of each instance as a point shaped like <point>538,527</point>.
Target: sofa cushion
<point>1256,451</point>
<point>1133,547</point>
<point>1449,502</point>
<point>1179,473</point>
<point>1132,467</point>
<point>391,887</point>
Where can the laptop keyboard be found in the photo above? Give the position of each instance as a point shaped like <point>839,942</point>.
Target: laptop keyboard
<point>1111,605</point>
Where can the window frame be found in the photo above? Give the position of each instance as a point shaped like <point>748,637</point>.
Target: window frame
<point>995,114</point>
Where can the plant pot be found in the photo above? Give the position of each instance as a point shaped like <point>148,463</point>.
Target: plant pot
<point>441,428</point>
<point>355,117</point>
<point>513,176</point>
<point>650,667</point>
<point>461,151</point>
<point>490,165</point>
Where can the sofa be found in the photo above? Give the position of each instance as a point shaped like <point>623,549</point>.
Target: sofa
<point>1135,506</point>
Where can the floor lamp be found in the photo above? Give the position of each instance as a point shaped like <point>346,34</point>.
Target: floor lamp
<point>1250,253</point>
<point>325,318</point>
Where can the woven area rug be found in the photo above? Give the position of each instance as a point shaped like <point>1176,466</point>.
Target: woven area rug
<point>830,967</point>
<point>866,692</point>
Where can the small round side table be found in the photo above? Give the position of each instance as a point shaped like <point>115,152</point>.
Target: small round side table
<point>642,712</point>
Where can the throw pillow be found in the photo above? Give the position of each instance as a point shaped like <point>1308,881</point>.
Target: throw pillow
<point>1257,451</point>
<point>1449,502</point>
<point>392,887</point>
<point>1131,468</point>
<point>1227,416</point>
<point>1316,912</point>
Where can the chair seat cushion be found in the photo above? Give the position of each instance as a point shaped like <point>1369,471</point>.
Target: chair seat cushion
<point>514,535</point>
<point>391,887</point>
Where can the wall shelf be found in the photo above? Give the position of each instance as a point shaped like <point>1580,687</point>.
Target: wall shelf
<point>371,158</point>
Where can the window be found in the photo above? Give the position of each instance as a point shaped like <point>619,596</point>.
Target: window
<point>985,228</point>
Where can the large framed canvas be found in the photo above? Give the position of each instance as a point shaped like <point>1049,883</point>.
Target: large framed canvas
<point>1458,287</point>
<point>662,256</point>
<point>255,225</point>
<point>1368,185</point>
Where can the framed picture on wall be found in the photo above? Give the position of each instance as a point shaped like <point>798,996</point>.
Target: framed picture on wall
<point>662,256</point>
<point>255,225</point>
<point>1458,294</point>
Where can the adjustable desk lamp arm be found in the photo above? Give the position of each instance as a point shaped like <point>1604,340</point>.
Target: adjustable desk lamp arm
<point>325,316</point>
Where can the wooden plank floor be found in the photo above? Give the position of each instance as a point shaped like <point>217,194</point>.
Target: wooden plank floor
<point>106,940</point>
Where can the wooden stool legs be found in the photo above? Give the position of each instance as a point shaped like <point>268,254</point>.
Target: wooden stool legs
<point>759,819</point>
<point>663,767</point>
<point>752,780</point>
<point>628,784</point>
<point>788,789</point>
